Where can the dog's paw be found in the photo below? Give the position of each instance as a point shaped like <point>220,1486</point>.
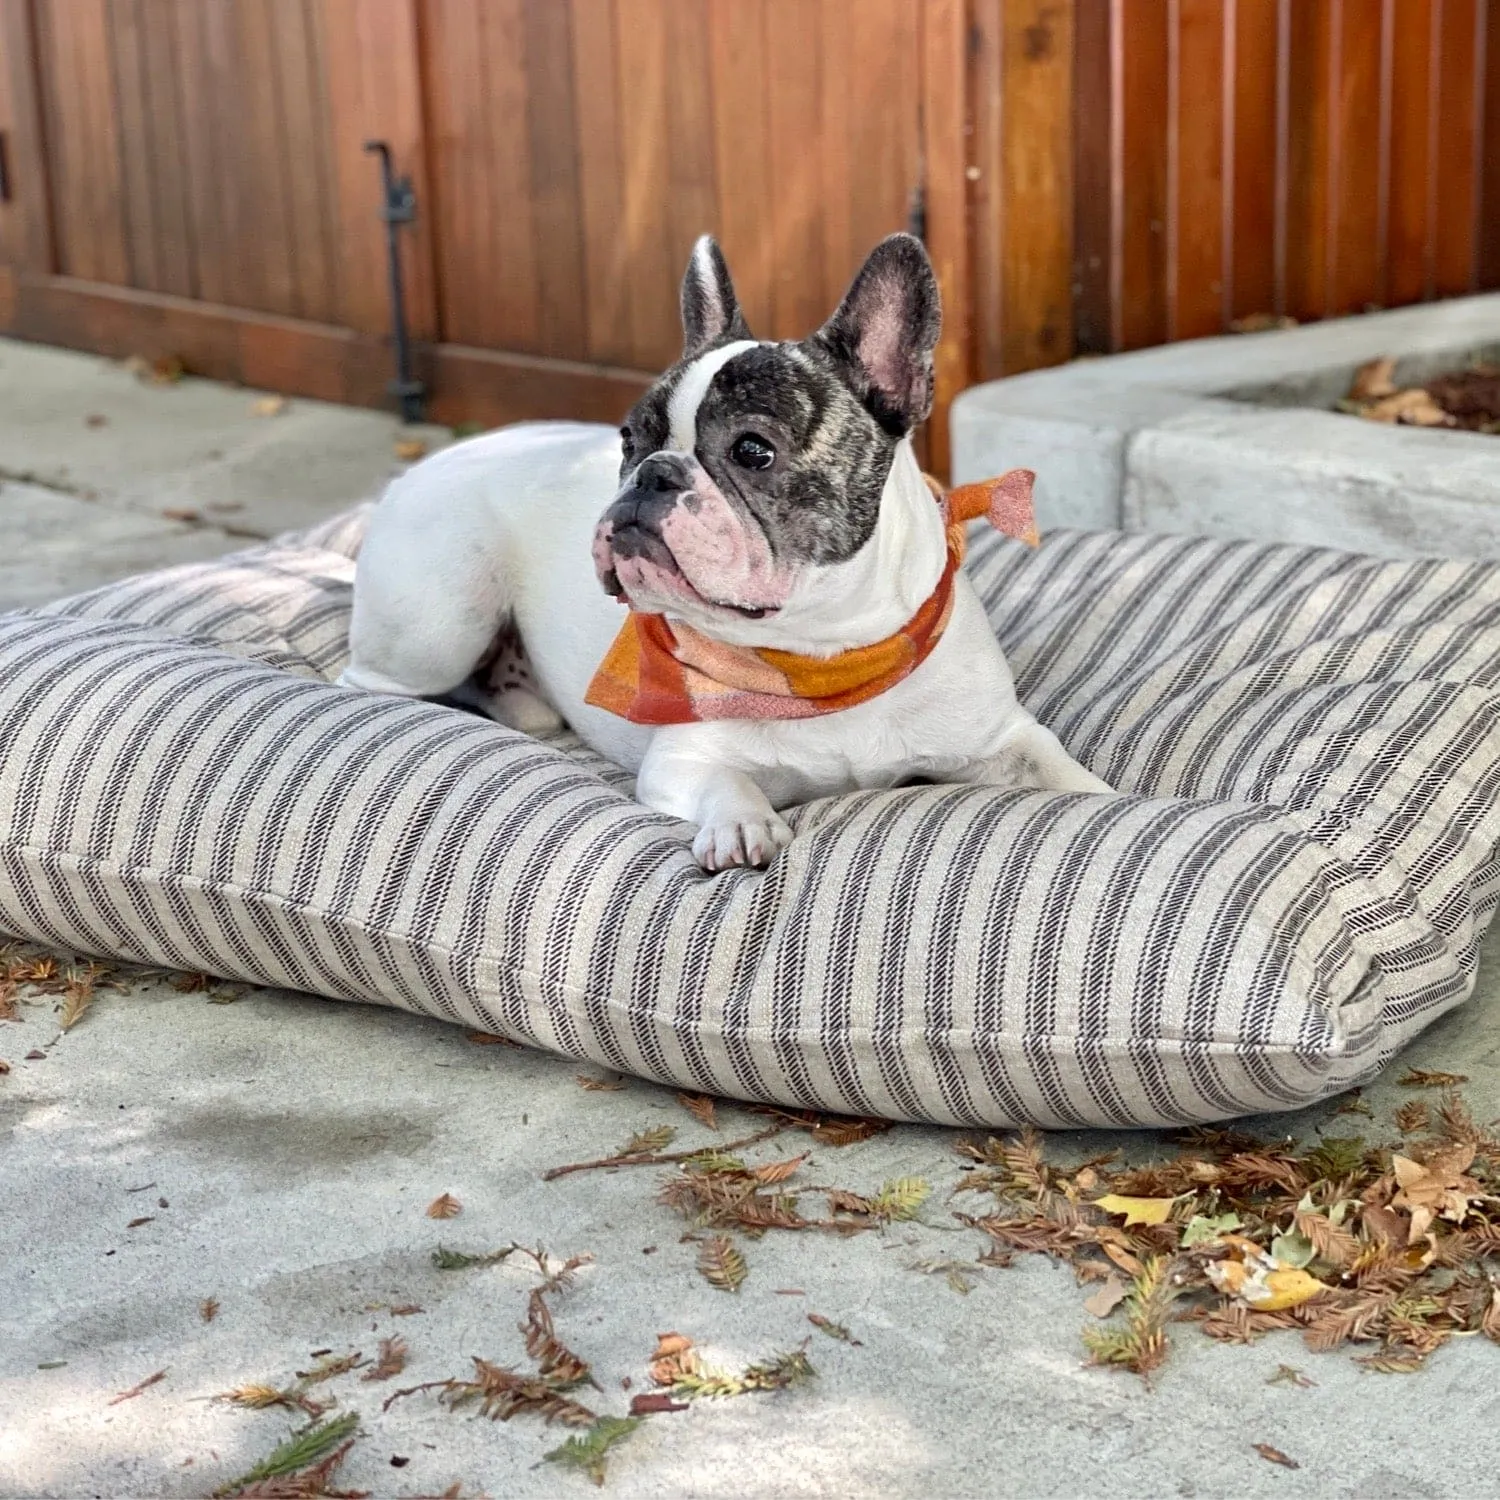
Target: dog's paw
<point>521,709</point>
<point>753,841</point>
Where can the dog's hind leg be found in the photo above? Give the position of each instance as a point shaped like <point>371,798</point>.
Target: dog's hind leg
<point>429,602</point>
<point>1034,757</point>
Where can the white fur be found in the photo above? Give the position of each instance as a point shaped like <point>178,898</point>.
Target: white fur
<point>501,526</point>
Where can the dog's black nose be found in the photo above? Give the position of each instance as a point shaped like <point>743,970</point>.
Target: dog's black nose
<point>660,474</point>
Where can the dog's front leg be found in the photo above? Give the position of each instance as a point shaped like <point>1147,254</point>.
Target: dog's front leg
<point>1033,756</point>
<point>681,776</point>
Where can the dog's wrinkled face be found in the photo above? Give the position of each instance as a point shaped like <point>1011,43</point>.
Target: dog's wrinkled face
<point>749,469</point>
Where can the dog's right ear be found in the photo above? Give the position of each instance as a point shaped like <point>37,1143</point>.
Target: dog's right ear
<point>710,311</point>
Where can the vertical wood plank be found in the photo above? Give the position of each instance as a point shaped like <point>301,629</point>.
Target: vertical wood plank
<point>799,272</point>
<point>461,198</point>
<point>212,223</point>
<point>261,162</point>
<point>82,136</point>
<point>1308,62</point>
<point>1140,312</point>
<point>1035,266</point>
<point>26,221</point>
<point>606,268</point>
<point>1093,170</point>
<point>1488,256</point>
<point>740,62</point>
<point>1196,244</point>
<point>1413,145</point>
<point>692,185</point>
<point>1460,54</point>
<point>1251,243</point>
<point>645,85</point>
<point>127,49</point>
<point>308,181</point>
<point>374,92</point>
<point>945,90</point>
<point>1356,144</point>
<point>557,209</point>
<point>507,271</point>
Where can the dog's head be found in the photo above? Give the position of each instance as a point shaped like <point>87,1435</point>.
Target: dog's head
<point>754,475</point>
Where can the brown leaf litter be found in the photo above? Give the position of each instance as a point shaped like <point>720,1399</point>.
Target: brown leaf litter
<point>1468,399</point>
<point>444,1206</point>
<point>1396,1247</point>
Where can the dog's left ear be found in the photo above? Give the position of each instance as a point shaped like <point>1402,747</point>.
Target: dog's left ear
<point>710,311</point>
<point>885,330</point>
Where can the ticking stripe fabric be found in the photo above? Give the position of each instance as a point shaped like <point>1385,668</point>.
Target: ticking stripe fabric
<point>1294,882</point>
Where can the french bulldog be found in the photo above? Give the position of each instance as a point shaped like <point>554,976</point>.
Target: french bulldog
<point>761,503</point>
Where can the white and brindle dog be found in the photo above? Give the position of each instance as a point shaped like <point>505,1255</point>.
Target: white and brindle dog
<point>767,497</point>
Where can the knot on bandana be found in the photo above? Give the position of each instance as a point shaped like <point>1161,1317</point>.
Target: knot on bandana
<point>661,671</point>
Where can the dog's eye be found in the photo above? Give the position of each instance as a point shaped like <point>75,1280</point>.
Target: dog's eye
<point>751,452</point>
<point>627,443</point>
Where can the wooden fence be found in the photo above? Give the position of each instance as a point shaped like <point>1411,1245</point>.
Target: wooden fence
<point>188,176</point>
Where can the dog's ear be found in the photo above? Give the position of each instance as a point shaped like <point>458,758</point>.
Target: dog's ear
<point>710,311</point>
<point>885,330</point>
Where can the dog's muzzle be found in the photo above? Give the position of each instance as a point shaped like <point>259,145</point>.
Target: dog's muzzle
<point>632,526</point>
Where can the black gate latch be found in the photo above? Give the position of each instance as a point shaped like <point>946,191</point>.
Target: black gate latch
<point>398,207</point>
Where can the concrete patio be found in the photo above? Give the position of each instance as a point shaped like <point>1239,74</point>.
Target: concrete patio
<point>277,1154</point>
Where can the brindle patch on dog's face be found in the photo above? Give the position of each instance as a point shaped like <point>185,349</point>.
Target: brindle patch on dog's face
<point>748,465</point>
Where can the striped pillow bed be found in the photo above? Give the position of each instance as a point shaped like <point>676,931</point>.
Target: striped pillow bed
<point>1295,885</point>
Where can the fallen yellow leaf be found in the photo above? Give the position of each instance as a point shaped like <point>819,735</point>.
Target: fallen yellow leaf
<point>1136,1210</point>
<point>1282,1289</point>
<point>409,450</point>
<point>445,1206</point>
<point>269,406</point>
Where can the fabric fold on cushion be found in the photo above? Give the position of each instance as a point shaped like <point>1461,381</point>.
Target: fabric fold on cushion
<point>1293,884</point>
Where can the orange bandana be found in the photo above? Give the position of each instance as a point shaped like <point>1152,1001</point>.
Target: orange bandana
<point>665,672</point>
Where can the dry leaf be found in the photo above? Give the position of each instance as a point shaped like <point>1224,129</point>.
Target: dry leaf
<point>720,1264</point>
<point>701,1108</point>
<point>269,406</point>
<point>646,1403</point>
<point>1261,322</point>
<point>208,1309</point>
<point>1275,1456</point>
<point>96,419</point>
<point>1373,380</point>
<point>600,1085</point>
<point>256,1397</point>
<point>779,1171</point>
<point>1427,1078</point>
<point>390,1359</point>
<point>144,1219</point>
<point>490,1039</point>
<point>165,369</point>
<point>444,1206</point>
<point>135,1390</point>
<point>4,1067</point>
<point>1291,1375</point>
<point>832,1329</point>
<point>648,1142</point>
<point>838,1132</point>
<point>1107,1298</point>
<point>1437,1188</point>
<point>1137,1210</point>
<point>556,1362</point>
<point>1413,408</point>
<point>1414,1115</point>
<point>673,1354</point>
<point>409,450</point>
<point>329,1368</point>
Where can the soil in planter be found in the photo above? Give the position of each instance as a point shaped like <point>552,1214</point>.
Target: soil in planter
<point>1461,399</point>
